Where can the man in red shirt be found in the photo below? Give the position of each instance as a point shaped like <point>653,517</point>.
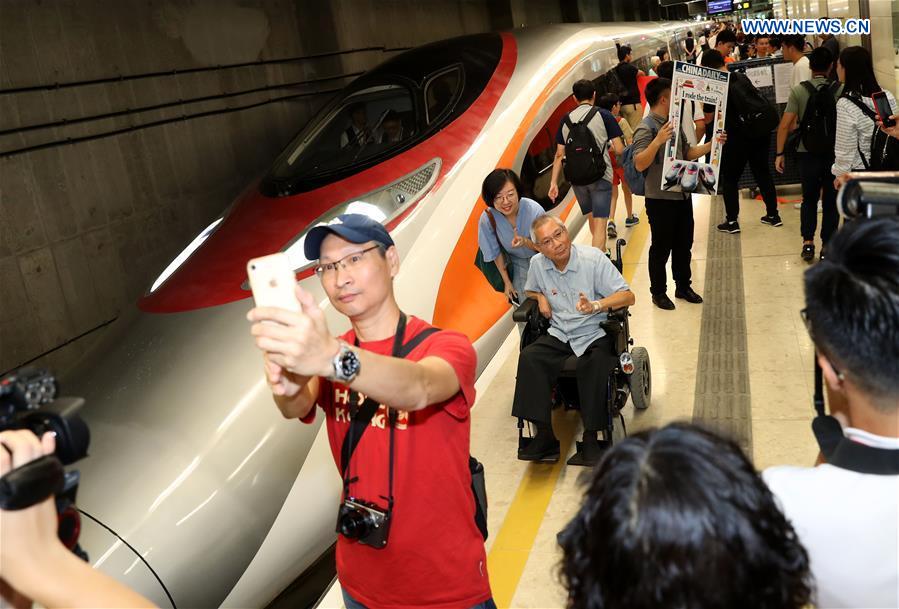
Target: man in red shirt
<point>411,460</point>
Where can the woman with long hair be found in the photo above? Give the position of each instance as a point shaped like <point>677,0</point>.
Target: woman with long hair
<point>855,126</point>
<point>504,229</point>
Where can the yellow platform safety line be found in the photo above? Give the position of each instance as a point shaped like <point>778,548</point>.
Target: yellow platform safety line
<point>512,546</point>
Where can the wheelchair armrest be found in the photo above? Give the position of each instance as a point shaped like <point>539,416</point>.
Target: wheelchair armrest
<point>618,314</point>
<point>524,312</point>
<point>615,321</point>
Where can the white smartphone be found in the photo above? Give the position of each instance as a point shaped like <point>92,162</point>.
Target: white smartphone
<point>272,280</point>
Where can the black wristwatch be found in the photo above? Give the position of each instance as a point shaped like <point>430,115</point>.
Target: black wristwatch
<point>346,364</point>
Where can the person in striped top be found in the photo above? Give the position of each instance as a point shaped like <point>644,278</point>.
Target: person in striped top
<point>854,128</point>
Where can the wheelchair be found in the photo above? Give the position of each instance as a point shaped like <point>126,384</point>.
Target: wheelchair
<point>631,376</point>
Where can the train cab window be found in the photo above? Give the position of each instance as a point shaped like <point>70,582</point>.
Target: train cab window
<point>441,91</point>
<point>537,165</point>
<point>367,124</point>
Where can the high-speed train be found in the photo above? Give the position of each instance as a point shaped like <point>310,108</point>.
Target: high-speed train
<point>197,492</point>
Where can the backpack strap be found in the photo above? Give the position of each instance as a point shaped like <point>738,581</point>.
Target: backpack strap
<point>870,114</point>
<point>589,116</point>
<point>808,86</point>
<point>861,105</point>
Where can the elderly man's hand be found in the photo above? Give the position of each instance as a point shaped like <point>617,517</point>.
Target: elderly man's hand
<point>298,342</point>
<point>543,305</point>
<point>585,305</point>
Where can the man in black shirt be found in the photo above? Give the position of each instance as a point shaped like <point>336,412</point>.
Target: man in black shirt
<point>627,74</point>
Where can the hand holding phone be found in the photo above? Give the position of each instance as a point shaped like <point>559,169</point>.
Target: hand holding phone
<point>288,325</point>
<point>882,106</point>
<point>273,281</point>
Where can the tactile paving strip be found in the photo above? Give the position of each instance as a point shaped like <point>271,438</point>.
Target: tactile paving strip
<point>721,400</point>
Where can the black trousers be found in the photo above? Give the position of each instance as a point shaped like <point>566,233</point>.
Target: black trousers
<point>539,365</point>
<point>737,152</point>
<point>814,171</point>
<point>671,231</point>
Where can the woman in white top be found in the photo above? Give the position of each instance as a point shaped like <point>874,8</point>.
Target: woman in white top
<point>854,127</point>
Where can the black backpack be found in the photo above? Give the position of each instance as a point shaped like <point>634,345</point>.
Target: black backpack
<point>610,82</point>
<point>818,126</point>
<point>584,162</point>
<point>756,116</point>
<point>884,152</point>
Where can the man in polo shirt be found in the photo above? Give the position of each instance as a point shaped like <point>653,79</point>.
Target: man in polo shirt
<point>845,510</point>
<point>420,421</point>
<point>575,286</point>
<point>595,199</point>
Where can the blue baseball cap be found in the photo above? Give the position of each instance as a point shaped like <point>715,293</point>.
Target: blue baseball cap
<point>355,228</point>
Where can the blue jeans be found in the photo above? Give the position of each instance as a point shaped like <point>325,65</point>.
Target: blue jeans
<point>352,603</point>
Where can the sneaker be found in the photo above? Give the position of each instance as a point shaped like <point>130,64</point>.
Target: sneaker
<point>543,448</point>
<point>688,294</point>
<point>611,231</point>
<point>808,251</point>
<point>773,220</point>
<point>729,227</point>
<point>663,302</point>
<point>631,221</point>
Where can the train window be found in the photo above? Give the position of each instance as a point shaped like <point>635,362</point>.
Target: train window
<point>537,165</point>
<point>441,91</point>
<point>366,124</point>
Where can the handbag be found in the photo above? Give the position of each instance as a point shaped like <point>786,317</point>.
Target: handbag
<point>489,268</point>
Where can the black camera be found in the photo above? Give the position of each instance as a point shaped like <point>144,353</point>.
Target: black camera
<point>28,401</point>
<point>869,195</point>
<point>364,522</point>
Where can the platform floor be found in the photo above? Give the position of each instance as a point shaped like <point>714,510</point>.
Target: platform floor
<point>761,396</point>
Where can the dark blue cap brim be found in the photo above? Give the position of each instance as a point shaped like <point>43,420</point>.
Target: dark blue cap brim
<point>313,244</point>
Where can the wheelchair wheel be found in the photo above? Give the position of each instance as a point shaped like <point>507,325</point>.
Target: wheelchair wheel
<point>641,378</point>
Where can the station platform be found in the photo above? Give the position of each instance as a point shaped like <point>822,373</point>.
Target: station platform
<point>740,362</point>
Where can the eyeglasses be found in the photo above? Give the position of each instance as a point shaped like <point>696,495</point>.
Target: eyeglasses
<point>507,196</point>
<point>347,262</point>
<point>556,236</point>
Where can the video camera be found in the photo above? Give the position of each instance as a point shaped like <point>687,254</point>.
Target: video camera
<point>869,195</point>
<point>28,401</point>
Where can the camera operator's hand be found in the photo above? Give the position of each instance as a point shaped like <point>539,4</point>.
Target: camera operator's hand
<point>299,343</point>
<point>33,562</point>
<point>25,532</point>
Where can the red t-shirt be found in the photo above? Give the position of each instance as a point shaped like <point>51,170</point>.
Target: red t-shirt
<point>435,554</point>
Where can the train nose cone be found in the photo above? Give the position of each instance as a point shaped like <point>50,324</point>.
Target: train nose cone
<point>190,460</point>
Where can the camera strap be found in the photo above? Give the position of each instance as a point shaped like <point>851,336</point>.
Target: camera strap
<point>361,419</point>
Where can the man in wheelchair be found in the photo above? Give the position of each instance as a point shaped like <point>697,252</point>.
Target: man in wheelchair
<point>575,286</point>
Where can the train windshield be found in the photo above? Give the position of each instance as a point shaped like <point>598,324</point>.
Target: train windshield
<point>390,109</point>
<point>364,125</point>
